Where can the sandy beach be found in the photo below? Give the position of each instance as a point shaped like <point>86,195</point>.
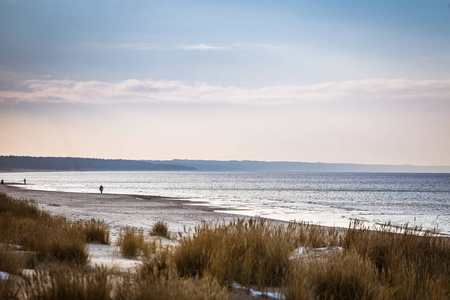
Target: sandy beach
<point>120,210</point>
<point>319,247</point>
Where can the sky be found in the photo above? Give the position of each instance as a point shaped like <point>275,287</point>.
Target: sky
<point>313,81</point>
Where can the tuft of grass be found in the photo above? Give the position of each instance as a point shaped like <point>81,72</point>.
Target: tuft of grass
<point>295,282</point>
<point>19,208</point>
<point>193,254</point>
<point>250,252</point>
<point>52,237</point>
<point>10,261</point>
<point>170,286</point>
<point>412,264</point>
<point>314,236</point>
<point>343,276</point>
<point>387,263</point>
<point>161,229</point>
<point>9,289</point>
<point>160,262</point>
<point>131,241</point>
<point>69,247</point>
<point>94,230</point>
<point>63,282</point>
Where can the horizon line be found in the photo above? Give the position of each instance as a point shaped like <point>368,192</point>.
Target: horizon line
<point>243,160</point>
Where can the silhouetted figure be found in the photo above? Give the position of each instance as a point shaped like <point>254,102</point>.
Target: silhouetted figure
<point>101,189</point>
<point>24,181</point>
<point>2,181</point>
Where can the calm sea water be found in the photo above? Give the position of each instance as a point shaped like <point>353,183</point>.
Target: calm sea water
<point>321,198</point>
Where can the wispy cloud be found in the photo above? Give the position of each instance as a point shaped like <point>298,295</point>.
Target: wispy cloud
<point>261,46</point>
<point>138,46</point>
<point>194,47</point>
<point>158,91</point>
<point>201,47</point>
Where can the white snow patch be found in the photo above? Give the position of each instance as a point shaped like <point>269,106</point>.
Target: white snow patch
<point>306,251</point>
<point>4,276</point>
<point>254,293</point>
<point>18,247</point>
<point>110,256</point>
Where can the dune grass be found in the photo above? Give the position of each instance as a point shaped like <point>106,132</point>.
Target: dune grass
<point>343,276</point>
<point>9,289</point>
<point>160,228</point>
<point>94,230</point>
<point>11,264</point>
<point>386,263</point>
<point>247,251</point>
<point>65,282</point>
<point>172,287</point>
<point>158,261</point>
<point>51,237</point>
<point>10,261</point>
<point>410,263</point>
<point>131,241</point>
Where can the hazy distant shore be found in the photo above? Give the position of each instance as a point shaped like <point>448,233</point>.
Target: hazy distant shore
<point>68,164</point>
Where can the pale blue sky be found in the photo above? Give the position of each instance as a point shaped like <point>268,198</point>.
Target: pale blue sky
<point>333,81</point>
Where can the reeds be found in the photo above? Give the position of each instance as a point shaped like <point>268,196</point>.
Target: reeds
<point>386,263</point>
<point>51,237</point>
<point>158,285</point>
<point>411,264</point>
<point>247,251</point>
<point>158,261</point>
<point>344,276</point>
<point>10,261</point>
<point>131,241</point>
<point>94,230</point>
<point>9,289</point>
<point>10,264</point>
<point>63,282</point>
<point>161,229</point>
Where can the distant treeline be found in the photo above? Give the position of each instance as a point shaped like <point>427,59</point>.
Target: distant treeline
<point>284,166</point>
<point>28,163</point>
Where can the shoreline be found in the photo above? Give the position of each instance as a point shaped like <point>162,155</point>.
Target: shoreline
<point>140,211</point>
<point>120,210</point>
<point>326,200</point>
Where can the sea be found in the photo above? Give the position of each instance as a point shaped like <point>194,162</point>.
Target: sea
<point>331,199</point>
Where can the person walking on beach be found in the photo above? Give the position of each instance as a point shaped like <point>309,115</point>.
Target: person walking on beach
<point>24,181</point>
<point>101,189</point>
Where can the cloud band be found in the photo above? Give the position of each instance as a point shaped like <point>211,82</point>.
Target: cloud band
<point>158,91</point>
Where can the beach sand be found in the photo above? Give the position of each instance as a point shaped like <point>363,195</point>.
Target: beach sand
<point>118,211</point>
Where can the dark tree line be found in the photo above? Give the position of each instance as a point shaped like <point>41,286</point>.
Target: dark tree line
<point>28,163</point>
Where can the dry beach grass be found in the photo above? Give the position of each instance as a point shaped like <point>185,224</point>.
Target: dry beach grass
<point>219,260</point>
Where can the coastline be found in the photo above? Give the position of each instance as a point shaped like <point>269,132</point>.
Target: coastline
<point>140,211</point>
<point>119,210</point>
<point>326,199</point>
